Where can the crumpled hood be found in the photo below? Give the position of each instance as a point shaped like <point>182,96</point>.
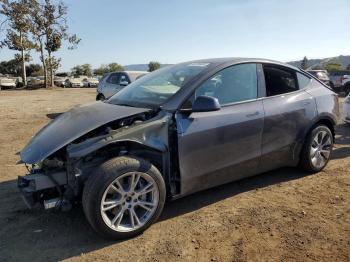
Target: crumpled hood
<point>71,125</point>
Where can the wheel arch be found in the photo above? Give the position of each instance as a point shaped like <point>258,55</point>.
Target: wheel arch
<point>157,155</point>
<point>326,120</point>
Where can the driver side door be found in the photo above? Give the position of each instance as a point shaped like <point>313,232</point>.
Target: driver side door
<point>225,145</point>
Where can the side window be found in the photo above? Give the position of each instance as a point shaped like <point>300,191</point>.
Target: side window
<point>279,80</point>
<point>113,79</point>
<point>123,78</point>
<point>303,80</point>
<point>233,84</point>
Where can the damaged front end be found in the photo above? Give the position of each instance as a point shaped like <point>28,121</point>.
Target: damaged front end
<point>45,184</point>
<point>57,180</point>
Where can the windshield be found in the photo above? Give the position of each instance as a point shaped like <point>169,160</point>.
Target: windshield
<point>153,89</point>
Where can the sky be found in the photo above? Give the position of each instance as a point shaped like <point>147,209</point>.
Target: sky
<point>139,31</point>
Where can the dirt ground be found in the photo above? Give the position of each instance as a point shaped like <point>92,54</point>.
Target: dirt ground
<point>285,215</point>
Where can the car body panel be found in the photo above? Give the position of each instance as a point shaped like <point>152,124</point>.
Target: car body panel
<point>213,149</point>
<point>286,118</point>
<point>71,125</point>
<point>327,103</point>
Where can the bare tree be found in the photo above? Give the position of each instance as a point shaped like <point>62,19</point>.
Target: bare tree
<point>56,31</point>
<point>49,29</point>
<point>38,33</point>
<point>17,21</point>
<point>53,65</point>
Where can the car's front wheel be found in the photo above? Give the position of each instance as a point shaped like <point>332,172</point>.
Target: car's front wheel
<point>317,149</point>
<point>123,197</point>
<point>100,97</point>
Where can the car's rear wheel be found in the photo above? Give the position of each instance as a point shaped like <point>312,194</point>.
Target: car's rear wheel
<point>317,149</point>
<point>123,197</point>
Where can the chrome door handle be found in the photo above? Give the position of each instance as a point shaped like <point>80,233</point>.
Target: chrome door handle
<point>253,114</point>
<point>305,103</point>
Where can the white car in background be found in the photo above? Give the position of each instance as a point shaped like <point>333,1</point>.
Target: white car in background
<point>60,81</point>
<point>74,82</point>
<point>7,82</point>
<point>36,81</point>
<point>346,109</point>
<point>90,82</point>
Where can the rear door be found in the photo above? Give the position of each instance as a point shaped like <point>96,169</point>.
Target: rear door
<point>288,112</point>
<point>225,145</point>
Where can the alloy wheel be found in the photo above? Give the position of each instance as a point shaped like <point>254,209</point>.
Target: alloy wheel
<point>129,202</point>
<point>321,147</point>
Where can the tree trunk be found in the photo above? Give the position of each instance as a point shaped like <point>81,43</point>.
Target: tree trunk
<point>24,75</point>
<point>51,70</point>
<point>42,56</point>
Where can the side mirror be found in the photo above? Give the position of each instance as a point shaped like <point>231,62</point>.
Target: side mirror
<point>206,104</point>
<point>123,83</point>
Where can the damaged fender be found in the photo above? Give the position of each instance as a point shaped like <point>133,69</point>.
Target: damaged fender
<point>152,133</point>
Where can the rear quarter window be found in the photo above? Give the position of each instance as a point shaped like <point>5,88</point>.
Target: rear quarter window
<point>279,80</point>
<point>303,80</point>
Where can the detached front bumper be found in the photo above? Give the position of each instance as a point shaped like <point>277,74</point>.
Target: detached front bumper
<point>33,186</point>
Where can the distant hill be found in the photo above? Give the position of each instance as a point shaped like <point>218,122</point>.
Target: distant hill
<point>140,67</point>
<point>320,63</point>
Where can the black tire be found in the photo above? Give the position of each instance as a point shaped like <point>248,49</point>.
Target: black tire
<point>305,158</point>
<point>100,97</point>
<point>102,178</point>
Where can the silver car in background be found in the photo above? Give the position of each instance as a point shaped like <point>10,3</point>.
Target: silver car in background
<point>112,83</point>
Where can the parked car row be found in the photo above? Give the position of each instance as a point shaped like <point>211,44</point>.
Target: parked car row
<point>81,81</point>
